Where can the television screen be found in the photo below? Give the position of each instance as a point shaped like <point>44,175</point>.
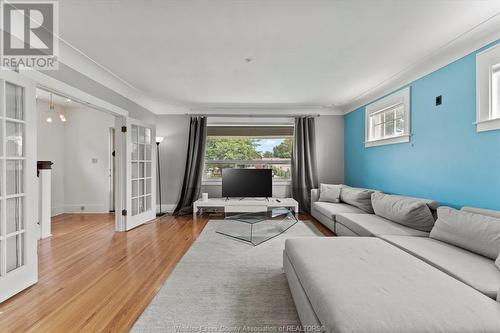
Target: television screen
<point>242,183</point>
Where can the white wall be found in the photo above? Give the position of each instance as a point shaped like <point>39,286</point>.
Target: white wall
<point>50,147</point>
<point>330,149</point>
<point>86,183</point>
<point>173,149</point>
<point>76,180</point>
<point>175,129</point>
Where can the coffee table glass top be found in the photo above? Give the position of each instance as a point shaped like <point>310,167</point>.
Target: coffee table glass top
<point>257,227</point>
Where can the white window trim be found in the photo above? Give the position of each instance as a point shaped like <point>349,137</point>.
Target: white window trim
<point>400,97</point>
<point>485,61</point>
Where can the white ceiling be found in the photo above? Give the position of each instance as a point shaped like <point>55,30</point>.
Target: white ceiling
<point>302,52</point>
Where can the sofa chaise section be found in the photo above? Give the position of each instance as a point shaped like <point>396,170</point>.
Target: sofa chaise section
<point>365,284</point>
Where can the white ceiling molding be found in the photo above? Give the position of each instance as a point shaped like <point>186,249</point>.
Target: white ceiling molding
<point>458,48</point>
<point>255,121</point>
<point>255,110</point>
<point>77,60</point>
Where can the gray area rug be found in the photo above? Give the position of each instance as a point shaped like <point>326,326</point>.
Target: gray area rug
<point>225,285</point>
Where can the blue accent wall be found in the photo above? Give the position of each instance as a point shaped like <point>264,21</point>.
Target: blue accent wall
<point>446,159</point>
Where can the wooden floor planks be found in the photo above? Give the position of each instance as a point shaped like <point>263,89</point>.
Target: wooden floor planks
<point>92,279</point>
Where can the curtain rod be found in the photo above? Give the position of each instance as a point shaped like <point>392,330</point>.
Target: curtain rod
<point>251,115</point>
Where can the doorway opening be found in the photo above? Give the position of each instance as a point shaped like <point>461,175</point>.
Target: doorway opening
<point>79,140</point>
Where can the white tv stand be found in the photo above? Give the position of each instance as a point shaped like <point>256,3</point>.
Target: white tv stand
<point>245,205</point>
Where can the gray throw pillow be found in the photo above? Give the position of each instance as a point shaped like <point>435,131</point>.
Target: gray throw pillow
<point>358,197</point>
<point>413,213</point>
<point>329,193</point>
<point>474,232</point>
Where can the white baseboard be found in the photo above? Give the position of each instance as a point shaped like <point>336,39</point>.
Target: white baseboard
<point>99,209</point>
<point>88,209</point>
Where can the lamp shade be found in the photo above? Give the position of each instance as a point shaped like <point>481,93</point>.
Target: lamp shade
<point>159,139</point>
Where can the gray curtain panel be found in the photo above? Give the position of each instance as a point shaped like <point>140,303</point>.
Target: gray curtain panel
<point>304,169</point>
<point>191,184</point>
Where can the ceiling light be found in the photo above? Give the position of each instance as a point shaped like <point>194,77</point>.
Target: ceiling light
<point>49,120</point>
<point>68,100</point>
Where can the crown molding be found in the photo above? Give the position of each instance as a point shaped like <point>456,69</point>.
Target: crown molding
<point>265,109</point>
<point>465,44</point>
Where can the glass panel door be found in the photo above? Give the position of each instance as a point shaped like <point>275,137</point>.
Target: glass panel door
<point>18,264</point>
<point>141,169</point>
<point>141,205</point>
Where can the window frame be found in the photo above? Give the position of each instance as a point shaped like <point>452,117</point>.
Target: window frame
<point>400,97</point>
<point>277,181</point>
<point>485,61</point>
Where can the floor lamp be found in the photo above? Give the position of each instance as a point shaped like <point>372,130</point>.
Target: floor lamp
<point>159,139</point>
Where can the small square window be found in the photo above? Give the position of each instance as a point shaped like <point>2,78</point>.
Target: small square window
<point>388,120</point>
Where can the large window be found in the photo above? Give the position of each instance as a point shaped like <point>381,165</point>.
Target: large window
<point>488,89</point>
<point>255,147</point>
<point>388,120</point>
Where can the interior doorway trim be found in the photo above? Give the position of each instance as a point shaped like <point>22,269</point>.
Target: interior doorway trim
<point>50,84</point>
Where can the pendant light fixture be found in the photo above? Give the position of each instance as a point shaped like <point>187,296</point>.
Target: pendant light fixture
<point>52,110</point>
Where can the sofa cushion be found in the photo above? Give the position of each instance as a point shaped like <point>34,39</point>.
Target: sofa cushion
<point>474,232</point>
<point>373,225</point>
<point>369,285</point>
<point>487,212</point>
<point>332,209</point>
<point>475,270</point>
<point>497,262</point>
<point>329,193</point>
<point>358,197</point>
<point>410,212</point>
<point>432,204</point>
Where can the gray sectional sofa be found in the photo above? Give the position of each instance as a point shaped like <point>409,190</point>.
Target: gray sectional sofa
<point>347,219</point>
<point>443,278</point>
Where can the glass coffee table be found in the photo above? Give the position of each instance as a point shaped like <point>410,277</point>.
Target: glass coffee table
<point>258,227</point>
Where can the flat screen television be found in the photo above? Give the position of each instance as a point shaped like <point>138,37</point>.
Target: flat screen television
<point>247,183</point>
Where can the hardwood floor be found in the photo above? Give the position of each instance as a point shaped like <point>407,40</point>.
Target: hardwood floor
<point>92,279</point>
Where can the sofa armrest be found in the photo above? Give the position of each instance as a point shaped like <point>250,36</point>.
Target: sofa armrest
<point>314,195</point>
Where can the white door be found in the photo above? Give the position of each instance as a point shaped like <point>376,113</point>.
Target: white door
<point>18,239</point>
<point>140,173</point>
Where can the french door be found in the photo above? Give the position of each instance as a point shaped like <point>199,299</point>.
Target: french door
<point>140,173</point>
<point>18,239</point>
